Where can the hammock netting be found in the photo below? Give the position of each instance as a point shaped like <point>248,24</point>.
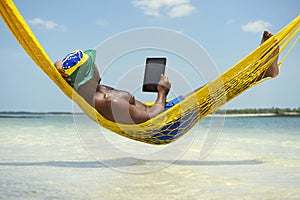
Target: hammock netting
<point>177,121</point>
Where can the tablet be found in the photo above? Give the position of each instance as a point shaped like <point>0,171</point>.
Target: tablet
<point>153,70</point>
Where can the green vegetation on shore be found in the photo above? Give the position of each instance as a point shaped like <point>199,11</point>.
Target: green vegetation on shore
<point>26,114</point>
<point>277,111</point>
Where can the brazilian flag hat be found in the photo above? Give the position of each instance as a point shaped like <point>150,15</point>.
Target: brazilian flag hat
<point>79,65</point>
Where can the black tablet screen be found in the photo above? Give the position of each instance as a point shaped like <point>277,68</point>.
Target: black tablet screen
<point>153,70</point>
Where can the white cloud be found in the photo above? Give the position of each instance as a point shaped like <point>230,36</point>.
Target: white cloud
<point>181,10</point>
<point>174,8</point>
<point>256,26</point>
<point>48,25</point>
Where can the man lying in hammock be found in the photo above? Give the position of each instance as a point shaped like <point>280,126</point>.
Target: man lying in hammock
<point>79,70</point>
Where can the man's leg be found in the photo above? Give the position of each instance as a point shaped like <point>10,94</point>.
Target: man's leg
<point>273,70</point>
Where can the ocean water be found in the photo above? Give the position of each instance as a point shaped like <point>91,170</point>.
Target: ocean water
<point>66,157</point>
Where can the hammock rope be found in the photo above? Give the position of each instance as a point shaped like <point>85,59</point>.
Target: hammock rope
<point>177,121</point>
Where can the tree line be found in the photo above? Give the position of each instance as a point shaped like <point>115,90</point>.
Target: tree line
<point>259,111</point>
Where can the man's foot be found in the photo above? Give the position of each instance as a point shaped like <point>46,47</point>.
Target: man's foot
<point>273,70</point>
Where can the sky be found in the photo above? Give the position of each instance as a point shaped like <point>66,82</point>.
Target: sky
<point>226,30</point>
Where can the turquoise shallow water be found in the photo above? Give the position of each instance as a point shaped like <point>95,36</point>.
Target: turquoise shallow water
<point>45,158</point>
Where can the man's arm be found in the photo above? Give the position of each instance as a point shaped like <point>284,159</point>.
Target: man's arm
<point>58,65</point>
<point>163,89</point>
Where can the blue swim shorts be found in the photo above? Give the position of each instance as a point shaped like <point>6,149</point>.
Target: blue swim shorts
<point>173,102</point>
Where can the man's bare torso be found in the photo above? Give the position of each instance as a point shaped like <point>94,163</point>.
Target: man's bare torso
<point>106,97</point>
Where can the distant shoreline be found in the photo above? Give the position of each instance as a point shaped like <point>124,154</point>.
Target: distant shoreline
<point>258,115</point>
<point>25,114</point>
<point>260,112</point>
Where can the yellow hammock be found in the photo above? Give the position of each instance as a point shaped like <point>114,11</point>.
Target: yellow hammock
<point>175,122</point>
